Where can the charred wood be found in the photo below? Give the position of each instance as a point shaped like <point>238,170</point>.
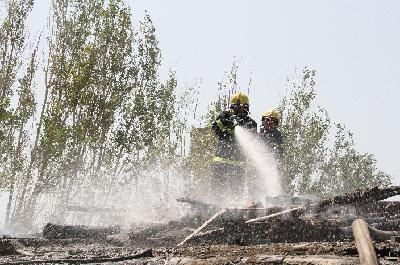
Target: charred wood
<point>288,213</point>
<point>54,231</point>
<point>93,209</point>
<point>7,248</point>
<point>144,254</point>
<point>177,228</point>
<point>219,213</point>
<point>197,203</point>
<point>359,197</point>
<point>381,236</point>
<point>290,230</point>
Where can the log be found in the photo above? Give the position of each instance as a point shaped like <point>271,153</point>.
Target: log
<point>93,209</point>
<point>54,231</point>
<point>145,254</point>
<point>365,247</point>
<point>296,211</point>
<point>7,248</point>
<point>208,233</point>
<point>219,213</point>
<point>359,196</point>
<point>197,202</point>
<point>381,236</point>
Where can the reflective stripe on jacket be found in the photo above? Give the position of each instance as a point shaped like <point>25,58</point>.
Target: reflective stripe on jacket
<point>218,159</point>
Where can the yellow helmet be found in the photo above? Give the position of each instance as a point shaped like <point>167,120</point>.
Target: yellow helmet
<point>240,98</point>
<point>272,113</point>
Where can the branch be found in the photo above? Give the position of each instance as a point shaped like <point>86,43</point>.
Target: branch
<point>202,226</point>
<point>144,254</point>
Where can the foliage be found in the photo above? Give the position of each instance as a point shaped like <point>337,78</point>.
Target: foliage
<point>310,163</point>
<point>106,115</point>
<point>12,121</point>
<point>226,87</point>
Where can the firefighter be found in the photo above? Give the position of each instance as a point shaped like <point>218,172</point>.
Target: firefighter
<point>269,131</point>
<point>229,163</point>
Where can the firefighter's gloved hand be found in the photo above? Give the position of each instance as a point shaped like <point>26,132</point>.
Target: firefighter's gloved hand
<point>237,121</point>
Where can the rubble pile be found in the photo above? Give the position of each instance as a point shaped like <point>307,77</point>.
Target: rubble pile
<point>315,230</point>
<point>328,220</point>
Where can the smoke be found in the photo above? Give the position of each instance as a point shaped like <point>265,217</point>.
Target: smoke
<point>143,197</point>
<point>150,197</point>
<point>266,181</point>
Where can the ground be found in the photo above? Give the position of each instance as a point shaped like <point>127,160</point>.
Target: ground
<point>311,234</point>
<point>78,251</point>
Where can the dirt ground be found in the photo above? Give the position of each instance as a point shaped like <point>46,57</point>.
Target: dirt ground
<point>83,251</point>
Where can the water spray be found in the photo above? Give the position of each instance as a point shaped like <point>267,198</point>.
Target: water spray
<point>267,179</point>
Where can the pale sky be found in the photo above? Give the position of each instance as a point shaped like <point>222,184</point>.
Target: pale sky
<point>353,45</point>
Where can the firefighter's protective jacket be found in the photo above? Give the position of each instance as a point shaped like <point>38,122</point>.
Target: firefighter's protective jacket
<point>228,149</point>
<point>273,139</point>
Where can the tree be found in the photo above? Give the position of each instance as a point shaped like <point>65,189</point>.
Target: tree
<point>310,164</point>
<point>15,84</point>
<point>12,44</point>
<point>106,117</point>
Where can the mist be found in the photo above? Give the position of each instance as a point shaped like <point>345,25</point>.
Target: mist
<point>266,179</point>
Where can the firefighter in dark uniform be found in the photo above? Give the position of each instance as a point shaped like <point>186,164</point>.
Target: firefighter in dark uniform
<point>269,132</point>
<point>229,165</point>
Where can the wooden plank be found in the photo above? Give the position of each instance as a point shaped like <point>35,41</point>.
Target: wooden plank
<point>297,210</point>
<point>196,202</point>
<point>365,247</point>
<point>219,213</point>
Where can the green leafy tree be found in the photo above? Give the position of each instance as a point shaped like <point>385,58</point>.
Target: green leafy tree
<point>16,84</point>
<point>89,74</point>
<point>12,45</point>
<point>310,164</point>
<point>106,115</point>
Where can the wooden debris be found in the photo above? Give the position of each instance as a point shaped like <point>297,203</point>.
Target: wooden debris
<point>54,231</point>
<point>208,233</point>
<point>7,248</point>
<point>197,202</point>
<point>298,210</point>
<point>395,239</point>
<point>202,226</point>
<point>93,209</point>
<point>365,247</point>
<point>306,222</point>
<point>381,236</point>
<point>144,254</point>
<point>359,197</point>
